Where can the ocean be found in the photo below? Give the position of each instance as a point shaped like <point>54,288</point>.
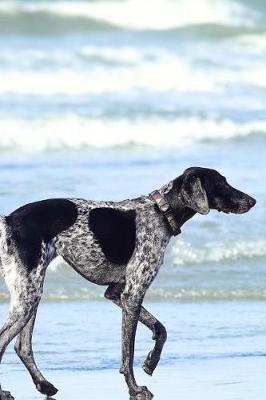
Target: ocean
<point>111,99</point>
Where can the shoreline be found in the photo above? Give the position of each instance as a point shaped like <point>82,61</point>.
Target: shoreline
<point>229,379</point>
<point>214,351</point>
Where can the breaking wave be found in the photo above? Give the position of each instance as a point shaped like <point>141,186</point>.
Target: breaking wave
<point>153,294</point>
<point>75,133</point>
<point>186,254</point>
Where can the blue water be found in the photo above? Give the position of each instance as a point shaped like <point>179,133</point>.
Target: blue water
<point>105,100</point>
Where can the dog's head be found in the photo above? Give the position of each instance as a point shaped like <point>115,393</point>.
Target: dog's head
<point>203,189</point>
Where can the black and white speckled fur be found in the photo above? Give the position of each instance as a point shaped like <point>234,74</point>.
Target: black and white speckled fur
<point>151,235</point>
<point>127,283</point>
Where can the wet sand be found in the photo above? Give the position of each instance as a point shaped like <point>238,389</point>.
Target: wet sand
<point>214,351</point>
<point>231,379</point>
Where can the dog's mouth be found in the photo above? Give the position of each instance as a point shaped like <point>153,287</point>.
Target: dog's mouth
<point>236,204</point>
<point>240,210</point>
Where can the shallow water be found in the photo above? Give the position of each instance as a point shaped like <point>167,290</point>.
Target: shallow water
<point>215,349</point>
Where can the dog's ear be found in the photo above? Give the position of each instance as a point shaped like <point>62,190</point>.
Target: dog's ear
<point>194,195</point>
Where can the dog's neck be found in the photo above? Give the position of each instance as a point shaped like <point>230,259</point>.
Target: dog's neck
<point>172,193</point>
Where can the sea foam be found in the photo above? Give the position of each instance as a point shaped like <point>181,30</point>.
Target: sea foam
<point>217,252</point>
<point>74,133</point>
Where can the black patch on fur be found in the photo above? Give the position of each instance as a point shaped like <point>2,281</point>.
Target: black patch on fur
<point>37,222</point>
<point>116,232</point>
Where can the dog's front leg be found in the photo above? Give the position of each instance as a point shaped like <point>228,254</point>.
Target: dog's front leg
<point>113,293</point>
<point>131,311</point>
<point>140,272</point>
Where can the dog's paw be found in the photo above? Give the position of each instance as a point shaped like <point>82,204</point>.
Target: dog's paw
<point>4,395</point>
<point>146,368</point>
<point>47,388</point>
<point>143,393</point>
<point>150,363</point>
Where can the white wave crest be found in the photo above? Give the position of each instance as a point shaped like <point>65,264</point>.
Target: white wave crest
<point>72,132</point>
<point>166,75</point>
<point>136,14</point>
<point>209,294</point>
<point>183,253</point>
<point>137,72</point>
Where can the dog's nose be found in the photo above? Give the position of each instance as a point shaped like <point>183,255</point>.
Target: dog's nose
<point>251,202</point>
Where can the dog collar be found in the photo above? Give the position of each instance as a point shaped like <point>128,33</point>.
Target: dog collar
<point>166,210</point>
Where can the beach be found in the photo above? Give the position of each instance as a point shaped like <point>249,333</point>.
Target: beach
<point>110,100</point>
<point>213,351</point>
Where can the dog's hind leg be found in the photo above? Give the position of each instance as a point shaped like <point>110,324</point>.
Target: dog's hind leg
<point>113,293</point>
<point>25,287</point>
<point>23,348</point>
<point>23,305</point>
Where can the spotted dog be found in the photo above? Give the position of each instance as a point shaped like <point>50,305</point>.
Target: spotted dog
<point>117,244</point>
